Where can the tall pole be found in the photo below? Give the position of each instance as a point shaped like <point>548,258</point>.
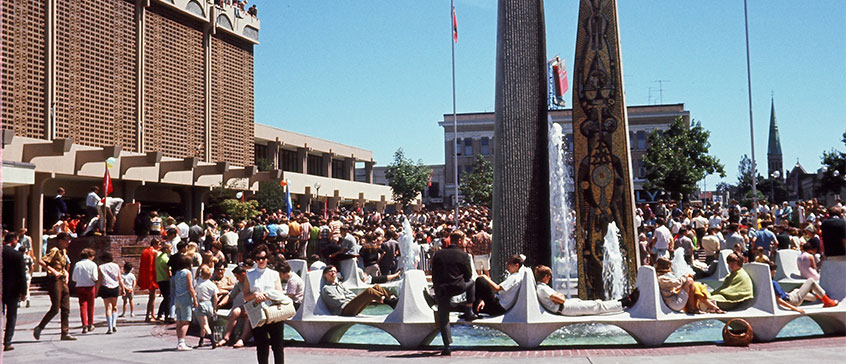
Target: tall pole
<point>751,123</point>
<point>454,113</point>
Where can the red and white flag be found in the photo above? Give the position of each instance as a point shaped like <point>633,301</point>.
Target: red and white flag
<point>454,25</point>
<point>107,185</point>
<point>431,172</point>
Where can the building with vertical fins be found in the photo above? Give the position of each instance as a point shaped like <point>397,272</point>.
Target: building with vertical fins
<point>774,157</point>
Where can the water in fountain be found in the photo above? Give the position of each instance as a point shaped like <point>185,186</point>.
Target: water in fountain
<point>409,251</point>
<point>612,264</point>
<point>561,224</point>
<point>679,265</point>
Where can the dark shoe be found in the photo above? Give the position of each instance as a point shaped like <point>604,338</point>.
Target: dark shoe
<point>468,316</point>
<point>114,329</point>
<point>108,331</point>
<point>84,329</point>
<point>213,342</point>
<point>36,332</point>
<point>90,328</point>
<point>430,300</point>
<point>392,301</point>
<point>631,299</point>
<point>446,352</point>
<point>8,348</point>
<point>68,337</point>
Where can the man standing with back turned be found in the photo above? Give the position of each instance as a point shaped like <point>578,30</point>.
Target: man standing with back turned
<point>452,276</point>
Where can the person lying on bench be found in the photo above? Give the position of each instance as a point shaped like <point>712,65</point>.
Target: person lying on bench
<point>682,293</point>
<point>737,287</point>
<point>810,290</point>
<point>342,301</point>
<point>559,304</point>
<point>495,299</point>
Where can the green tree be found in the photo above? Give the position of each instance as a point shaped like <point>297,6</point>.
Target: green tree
<point>678,159</point>
<point>270,195</point>
<point>406,178</point>
<point>833,178</point>
<point>745,174</point>
<point>240,210</point>
<point>477,187</point>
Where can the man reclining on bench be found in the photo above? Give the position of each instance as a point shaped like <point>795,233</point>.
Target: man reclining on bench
<point>341,301</point>
<point>559,304</point>
<point>810,290</point>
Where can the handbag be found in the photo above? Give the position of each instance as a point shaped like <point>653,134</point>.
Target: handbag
<point>276,308</point>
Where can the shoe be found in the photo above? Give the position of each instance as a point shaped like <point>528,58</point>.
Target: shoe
<point>392,301</point>
<point>27,303</point>
<point>631,299</point>
<point>84,329</point>
<point>8,348</point>
<point>183,347</point>
<point>468,316</point>
<point>122,315</point>
<point>109,331</point>
<point>214,343</point>
<point>68,337</point>
<point>114,329</point>
<point>430,300</point>
<point>238,344</point>
<point>131,314</point>
<point>90,328</point>
<point>446,352</point>
<point>828,301</point>
<point>170,321</point>
<point>36,332</point>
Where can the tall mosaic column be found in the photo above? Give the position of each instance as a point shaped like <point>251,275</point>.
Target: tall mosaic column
<point>604,194</point>
<point>521,168</point>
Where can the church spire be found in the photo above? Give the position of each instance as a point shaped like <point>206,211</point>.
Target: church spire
<point>774,156</point>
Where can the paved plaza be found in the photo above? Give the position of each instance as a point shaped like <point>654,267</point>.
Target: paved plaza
<point>137,342</point>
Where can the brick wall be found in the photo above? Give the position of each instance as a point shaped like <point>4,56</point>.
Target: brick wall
<point>95,73</point>
<point>22,67</point>
<point>116,244</point>
<point>174,98</point>
<point>232,102</point>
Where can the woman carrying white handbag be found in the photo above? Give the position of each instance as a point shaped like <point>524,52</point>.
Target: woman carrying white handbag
<point>259,282</point>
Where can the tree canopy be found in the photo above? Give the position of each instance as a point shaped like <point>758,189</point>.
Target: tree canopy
<point>406,178</point>
<point>833,160</point>
<point>477,187</point>
<point>677,159</point>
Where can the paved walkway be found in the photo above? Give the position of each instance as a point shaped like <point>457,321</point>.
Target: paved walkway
<point>137,342</point>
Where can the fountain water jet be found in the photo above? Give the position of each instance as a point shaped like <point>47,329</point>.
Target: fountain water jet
<point>561,225</point>
<point>613,275</point>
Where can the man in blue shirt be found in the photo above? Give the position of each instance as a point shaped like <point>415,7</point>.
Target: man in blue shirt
<point>764,238</point>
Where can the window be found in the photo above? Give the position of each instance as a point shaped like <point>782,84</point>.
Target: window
<point>289,161</point>
<point>468,168</point>
<point>260,153</point>
<point>338,169</point>
<point>315,165</point>
<point>641,169</point>
<point>458,147</point>
<point>468,147</point>
<point>486,146</point>
<point>435,190</point>
<point>641,140</point>
<point>570,143</point>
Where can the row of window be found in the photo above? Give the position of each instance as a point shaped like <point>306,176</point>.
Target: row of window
<point>289,161</point>
<point>465,146</point>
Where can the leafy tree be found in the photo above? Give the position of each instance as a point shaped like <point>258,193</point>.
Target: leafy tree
<point>477,187</point>
<point>240,210</point>
<point>406,178</point>
<point>678,159</point>
<point>271,195</point>
<point>833,160</point>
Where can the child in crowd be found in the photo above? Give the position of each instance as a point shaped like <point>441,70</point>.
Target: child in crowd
<point>185,301</point>
<point>207,309</point>
<point>129,288</point>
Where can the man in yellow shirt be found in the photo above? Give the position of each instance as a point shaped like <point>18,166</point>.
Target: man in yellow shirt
<point>56,264</point>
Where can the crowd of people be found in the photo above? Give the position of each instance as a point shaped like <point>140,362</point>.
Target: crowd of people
<point>186,264</point>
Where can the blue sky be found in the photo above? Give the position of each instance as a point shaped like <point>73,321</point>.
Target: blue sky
<point>376,73</point>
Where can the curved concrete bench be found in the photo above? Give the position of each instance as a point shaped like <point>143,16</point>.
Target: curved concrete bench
<point>298,266</point>
<point>787,273</point>
<point>411,323</point>
<point>722,269</point>
<point>649,322</point>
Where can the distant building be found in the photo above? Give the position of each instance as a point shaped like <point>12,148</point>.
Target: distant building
<point>775,160</point>
<point>476,136</point>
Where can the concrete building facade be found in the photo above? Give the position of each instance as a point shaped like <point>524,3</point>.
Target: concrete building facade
<point>476,136</point>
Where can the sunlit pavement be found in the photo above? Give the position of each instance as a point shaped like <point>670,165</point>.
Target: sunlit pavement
<point>137,342</point>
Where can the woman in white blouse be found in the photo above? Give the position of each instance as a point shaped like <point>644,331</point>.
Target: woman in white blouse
<point>111,287</point>
<point>259,281</point>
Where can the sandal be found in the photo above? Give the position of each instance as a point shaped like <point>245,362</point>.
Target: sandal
<point>222,342</point>
<point>238,344</point>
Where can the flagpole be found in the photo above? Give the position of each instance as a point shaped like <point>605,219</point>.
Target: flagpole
<point>751,124</point>
<point>454,113</point>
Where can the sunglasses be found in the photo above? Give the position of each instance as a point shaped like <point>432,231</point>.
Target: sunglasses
<point>261,258</point>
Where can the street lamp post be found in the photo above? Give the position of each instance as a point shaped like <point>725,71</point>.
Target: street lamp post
<point>775,177</point>
<point>317,194</point>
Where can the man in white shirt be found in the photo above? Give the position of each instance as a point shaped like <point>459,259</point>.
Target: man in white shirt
<point>662,240</point>
<point>183,228</point>
<point>496,299</point>
<point>85,274</point>
<point>559,304</point>
<point>91,202</point>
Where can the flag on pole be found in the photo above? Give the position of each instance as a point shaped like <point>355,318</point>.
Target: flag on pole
<point>431,172</point>
<point>454,25</point>
<point>326,208</point>
<point>288,198</point>
<point>107,185</point>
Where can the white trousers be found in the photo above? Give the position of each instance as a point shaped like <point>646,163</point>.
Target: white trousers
<point>806,292</point>
<point>577,307</point>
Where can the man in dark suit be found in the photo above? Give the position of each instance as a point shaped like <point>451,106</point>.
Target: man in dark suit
<point>452,276</point>
<point>58,207</point>
<point>834,234</point>
<point>14,286</point>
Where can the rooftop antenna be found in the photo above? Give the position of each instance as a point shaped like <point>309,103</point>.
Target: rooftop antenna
<point>661,90</point>
<point>649,102</point>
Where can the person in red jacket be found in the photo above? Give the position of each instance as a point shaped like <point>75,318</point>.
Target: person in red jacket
<point>147,277</point>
